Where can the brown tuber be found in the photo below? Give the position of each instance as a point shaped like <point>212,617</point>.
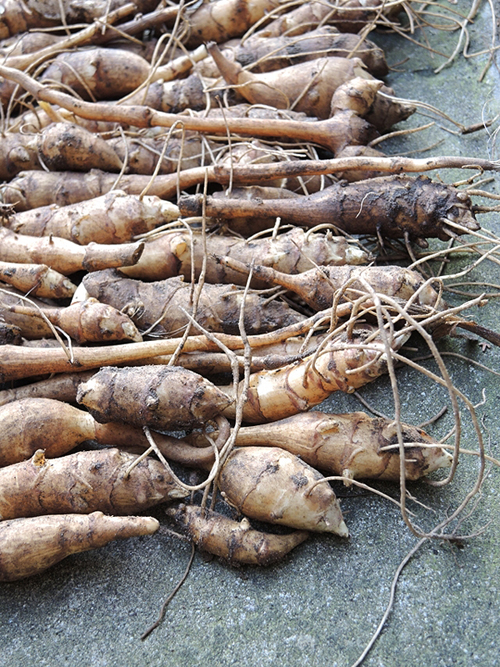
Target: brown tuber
<point>390,206</point>
<point>165,397</point>
<point>353,445</point>
<point>231,540</point>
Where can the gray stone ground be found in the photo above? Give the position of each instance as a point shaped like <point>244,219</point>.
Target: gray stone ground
<point>322,604</point>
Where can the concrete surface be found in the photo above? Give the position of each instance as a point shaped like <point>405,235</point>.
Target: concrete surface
<point>321,605</point>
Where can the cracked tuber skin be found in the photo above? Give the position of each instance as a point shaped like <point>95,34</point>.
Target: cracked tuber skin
<point>234,541</point>
<point>29,546</point>
<point>391,206</point>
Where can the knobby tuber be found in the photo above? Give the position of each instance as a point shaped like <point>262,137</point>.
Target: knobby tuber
<point>160,307</point>
<point>113,218</point>
<point>342,364</point>
<point>85,321</point>
<point>32,545</point>
<point>234,541</point>
<point>318,286</point>
<point>334,133</point>
<point>65,256</point>
<point>270,484</point>
<point>29,424</point>
<point>98,73</point>
<point>161,397</point>
<point>84,482</point>
<point>309,87</point>
<point>59,146</point>
<point>294,252</point>
<point>348,16</point>
<point>391,206</point>
<point>20,17</point>
<point>351,445</point>
<point>265,54</point>
<point>37,279</point>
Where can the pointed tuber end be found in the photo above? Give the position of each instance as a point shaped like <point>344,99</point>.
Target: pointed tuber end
<point>342,530</point>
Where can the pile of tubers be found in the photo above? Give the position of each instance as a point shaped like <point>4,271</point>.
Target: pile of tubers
<point>168,264</point>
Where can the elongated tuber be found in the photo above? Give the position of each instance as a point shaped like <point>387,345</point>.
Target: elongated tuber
<point>350,444</point>
<point>234,541</point>
<point>84,482</point>
<point>390,206</point>
<point>318,286</point>
<point>65,256</point>
<point>161,306</point>
<point>294,252</point>
<point>112,218</point>
<point>30,546</point>
<point>86,322</point>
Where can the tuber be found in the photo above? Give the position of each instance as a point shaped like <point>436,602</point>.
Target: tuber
<point>270,484</point>
<point>231,540</point>
<point>83,483</point>
<point>30,546</point>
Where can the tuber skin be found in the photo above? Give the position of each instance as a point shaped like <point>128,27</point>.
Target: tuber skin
<point>349,445</point>
<point>265,54</point>
<point>166,397</point>
<point>40,423</point>
<point>59,387</point>
<point>224,19</point>
<point>318,286</point>
<point>22,16</point>
<point>172,96</point>
<point>234,541</point>
<point>65,256</point>
<point>83,483</point>
<point>391,206</point>
<point>285,88</point>
<point>60,146</point>
<point>29,424</point>
<point>310,86</point>
<point>37,279</point>
<point>350,16</point>
<point>183,150</point>
<point>293,252</point>
<point>30,546</point>
<point>270,484</point>
<point>98,73</point>
<point>85,321</point>
<point>159,306</point>
<point>297,387</point>
<point>112,218</point>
